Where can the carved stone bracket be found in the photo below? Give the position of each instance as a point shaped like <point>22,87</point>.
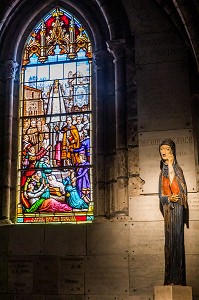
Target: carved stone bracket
<point>100,59</point>
<point>11,68</point>
<point>116,48</point>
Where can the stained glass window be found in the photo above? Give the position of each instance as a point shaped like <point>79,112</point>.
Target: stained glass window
<point>55,134</point>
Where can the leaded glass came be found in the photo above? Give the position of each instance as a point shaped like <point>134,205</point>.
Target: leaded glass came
<point>55,146</point>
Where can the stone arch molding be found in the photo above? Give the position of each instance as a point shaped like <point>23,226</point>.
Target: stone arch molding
<point>184,16</point>
<point>18,21</point>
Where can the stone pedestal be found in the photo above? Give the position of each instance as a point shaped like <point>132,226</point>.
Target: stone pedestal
<point>172,292</point>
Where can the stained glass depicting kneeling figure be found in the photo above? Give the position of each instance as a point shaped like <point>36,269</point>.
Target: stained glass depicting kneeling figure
<point>55,140</point>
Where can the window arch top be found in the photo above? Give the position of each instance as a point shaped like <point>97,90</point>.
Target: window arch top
<point>58,30</point>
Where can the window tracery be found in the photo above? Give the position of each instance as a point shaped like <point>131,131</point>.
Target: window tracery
<point>55,147</point>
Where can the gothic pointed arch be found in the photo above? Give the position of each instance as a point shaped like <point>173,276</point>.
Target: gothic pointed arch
<point>105,71</point>
<point>55,123</point>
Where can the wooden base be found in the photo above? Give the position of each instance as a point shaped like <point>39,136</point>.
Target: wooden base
<point>172,292</point>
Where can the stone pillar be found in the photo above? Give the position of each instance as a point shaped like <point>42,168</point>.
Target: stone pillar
<point>120,199</point>
<point>98,86</point>
<point>11,68</point>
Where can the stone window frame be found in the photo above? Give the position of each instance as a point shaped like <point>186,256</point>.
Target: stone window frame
<point>109,96</point>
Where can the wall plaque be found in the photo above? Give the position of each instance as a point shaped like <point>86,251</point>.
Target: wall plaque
<point>20,276</point>
<point>159,47</point>
<point>193,202</point>
<point>71,265</point>
<point>46,273</point>
<point>150,158</point>
<point>71,284</point>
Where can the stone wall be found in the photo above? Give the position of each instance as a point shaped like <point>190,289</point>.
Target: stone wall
<point>122,259</point>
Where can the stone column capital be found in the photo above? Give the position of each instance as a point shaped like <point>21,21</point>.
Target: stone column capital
<point>116,48</point>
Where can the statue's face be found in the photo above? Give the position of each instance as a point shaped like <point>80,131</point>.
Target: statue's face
<point>166,153</point>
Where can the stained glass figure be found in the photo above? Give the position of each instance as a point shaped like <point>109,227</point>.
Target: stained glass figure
<point>55,146</point>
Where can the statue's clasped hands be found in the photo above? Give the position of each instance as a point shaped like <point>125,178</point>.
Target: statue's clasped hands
<point>174,198</point>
